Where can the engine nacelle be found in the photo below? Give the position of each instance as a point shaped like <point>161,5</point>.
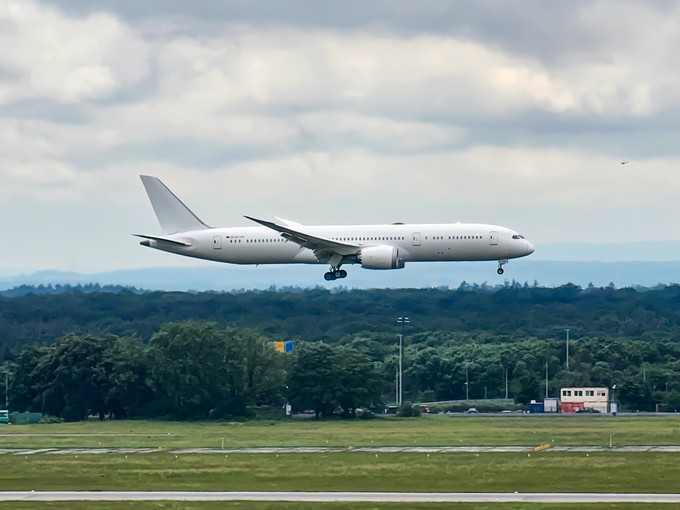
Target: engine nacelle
<point>380,257</point>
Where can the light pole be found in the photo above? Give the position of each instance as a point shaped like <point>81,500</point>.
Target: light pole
<point>6,370</point>
<point>400,387</point>
<point>467,384</point>
<point>506,384</point>
<point>567,330</point>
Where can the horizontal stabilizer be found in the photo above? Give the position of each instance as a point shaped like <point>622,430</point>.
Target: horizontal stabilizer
<point>172,214</point>
<point>163,239</point>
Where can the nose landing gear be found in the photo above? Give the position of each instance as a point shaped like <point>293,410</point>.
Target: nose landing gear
<point>501,263</point>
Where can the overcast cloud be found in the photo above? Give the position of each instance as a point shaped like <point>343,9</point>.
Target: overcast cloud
<point>517,113</point>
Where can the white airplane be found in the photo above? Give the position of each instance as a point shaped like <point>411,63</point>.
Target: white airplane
<point>287,242</point>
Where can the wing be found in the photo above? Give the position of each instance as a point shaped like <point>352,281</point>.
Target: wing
<point>319,245</point>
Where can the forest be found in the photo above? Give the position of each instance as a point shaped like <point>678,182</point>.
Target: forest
<point>131,353</point>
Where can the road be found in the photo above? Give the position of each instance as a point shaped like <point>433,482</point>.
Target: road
<point>386,497</point>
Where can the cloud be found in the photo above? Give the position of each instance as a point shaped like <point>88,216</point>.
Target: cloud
<point>40,180</point>
<point>68,59</point>
<point>516,112</point>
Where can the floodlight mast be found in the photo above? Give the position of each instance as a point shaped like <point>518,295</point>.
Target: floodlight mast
<point>567,330</point>
<point>400,383</point>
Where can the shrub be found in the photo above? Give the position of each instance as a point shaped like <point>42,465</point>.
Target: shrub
<point>408,410</point>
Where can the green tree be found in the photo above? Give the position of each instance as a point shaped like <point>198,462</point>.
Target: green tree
<point>636,394</point>
<point>324,378</point>
<point>25,383</point>
<point>252,373</point>
<point>525,383</point>
<point>126,365</point>
<point>198,369</point>
<point>69,380</point>
<point>188,362</point>
<point>313,382</point>
<point>359,380</point>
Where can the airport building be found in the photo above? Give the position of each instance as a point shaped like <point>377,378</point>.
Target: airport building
<point>578,400</point>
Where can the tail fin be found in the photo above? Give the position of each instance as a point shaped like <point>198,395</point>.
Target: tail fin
<point>172,214</point>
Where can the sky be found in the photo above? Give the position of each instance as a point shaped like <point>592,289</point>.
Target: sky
<point>518,113</point>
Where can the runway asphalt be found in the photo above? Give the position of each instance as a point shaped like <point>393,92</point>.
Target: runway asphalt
<point>320,449</point>
<point>386,497</point>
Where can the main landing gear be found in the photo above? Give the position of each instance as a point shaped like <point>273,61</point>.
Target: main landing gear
<point>501,263</point>
<point>335,274</point>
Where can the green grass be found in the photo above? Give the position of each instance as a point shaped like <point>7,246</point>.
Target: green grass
<point>424,431</point>
<point>491,472</point>
<point>544,472</point>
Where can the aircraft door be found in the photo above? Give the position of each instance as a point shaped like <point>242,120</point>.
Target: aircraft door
<point>493,238</point>
<point>217,242</point>
<point>416,239</point>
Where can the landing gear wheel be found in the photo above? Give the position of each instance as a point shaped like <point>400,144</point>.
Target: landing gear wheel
<point>335,274</point>
<point>501,263</point>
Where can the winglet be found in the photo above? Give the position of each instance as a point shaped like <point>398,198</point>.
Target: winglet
<point>172,214</point>
<point>289,223</point>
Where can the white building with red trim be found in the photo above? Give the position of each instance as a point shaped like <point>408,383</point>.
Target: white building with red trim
<point>573,400</point>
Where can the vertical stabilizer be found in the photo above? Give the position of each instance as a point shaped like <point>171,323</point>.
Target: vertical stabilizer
<point>172,214</point>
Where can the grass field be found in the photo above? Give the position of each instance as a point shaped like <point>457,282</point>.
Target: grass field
<point>417,472</point>
<point>424,431</point>
<point>547,471</point>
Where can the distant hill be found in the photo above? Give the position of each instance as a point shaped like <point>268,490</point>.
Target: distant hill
<point>421,275</point>
<point>624,264</point>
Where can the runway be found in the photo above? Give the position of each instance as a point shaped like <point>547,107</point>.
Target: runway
<point>331,449</point>
<point>374,497</point>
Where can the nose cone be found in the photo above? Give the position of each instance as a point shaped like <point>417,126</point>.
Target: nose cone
<point>529,247</point>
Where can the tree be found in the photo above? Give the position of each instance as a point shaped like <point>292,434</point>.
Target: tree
<point>253,373</point>
<point>324,378</point>
<point>526,385</point>
<point>636,394</point>
<point>359,380</point>
<point>187,368</point>
<point>200,370</point>
<point>70,380</point>
<point>25,383</point>
<point>127,368</point>
<point>313,382</point>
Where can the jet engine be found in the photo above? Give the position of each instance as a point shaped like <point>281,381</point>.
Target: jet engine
<point>380,257</point>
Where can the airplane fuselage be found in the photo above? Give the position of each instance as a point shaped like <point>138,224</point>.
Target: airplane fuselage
<point>414,242</point>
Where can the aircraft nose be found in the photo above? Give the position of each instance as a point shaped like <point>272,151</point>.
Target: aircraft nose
<point>529,247</point>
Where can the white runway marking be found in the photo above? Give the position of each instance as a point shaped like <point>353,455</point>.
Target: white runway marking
<point>332,449</point>
<point>387,497</point>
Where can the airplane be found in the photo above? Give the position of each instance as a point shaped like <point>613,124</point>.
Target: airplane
<point>283,241</point>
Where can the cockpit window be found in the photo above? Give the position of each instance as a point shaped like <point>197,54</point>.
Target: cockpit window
<point>517,236</point>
